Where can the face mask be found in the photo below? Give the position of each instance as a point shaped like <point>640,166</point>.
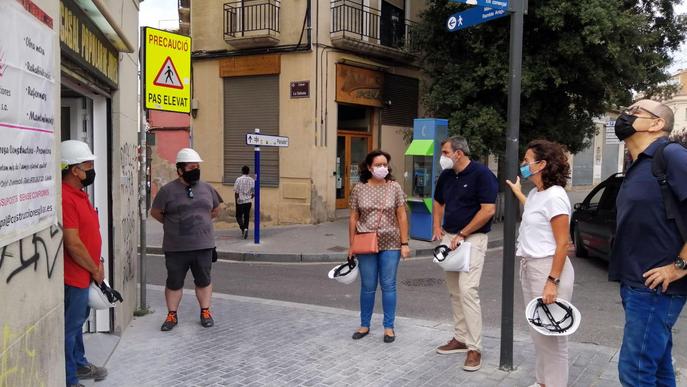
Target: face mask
<point>624,126</point>
<point>380,172</point>
<point>90,177</point>
<point>526,171</point>
<point>445,162</point>
<point>191,176</point>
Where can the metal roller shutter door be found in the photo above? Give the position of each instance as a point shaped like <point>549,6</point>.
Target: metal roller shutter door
<point>249,103</point>
<point>403,94</point>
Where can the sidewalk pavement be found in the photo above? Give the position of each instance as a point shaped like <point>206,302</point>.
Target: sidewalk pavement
<point>324,242</point>
<point>258,342</point>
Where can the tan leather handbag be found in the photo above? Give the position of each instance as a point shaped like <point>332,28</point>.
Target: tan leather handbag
<point>368,242</point>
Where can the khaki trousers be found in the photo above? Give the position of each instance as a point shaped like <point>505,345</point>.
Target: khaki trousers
<point>463,289</point>
<point>551,351</point>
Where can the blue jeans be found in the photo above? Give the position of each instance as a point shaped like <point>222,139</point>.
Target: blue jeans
<point>378,268</point>
<point>76,312</point>
<point>645,356</point>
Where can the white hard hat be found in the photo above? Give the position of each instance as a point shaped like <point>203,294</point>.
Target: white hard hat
<point>102,296</point>
<point>558,319</point>
<point>345,273</point>
<point>453,260</point>
<point>75,152</point>
<point>188,155</point>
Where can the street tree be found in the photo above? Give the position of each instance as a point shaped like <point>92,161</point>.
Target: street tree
<point>580,58</point>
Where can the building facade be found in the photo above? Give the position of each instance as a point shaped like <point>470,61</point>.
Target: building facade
<point>335,77</point>
<point>82,54</point>
<point>678,102</point>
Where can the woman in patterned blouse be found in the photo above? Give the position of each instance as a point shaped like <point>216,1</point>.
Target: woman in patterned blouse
<point>377,203</point>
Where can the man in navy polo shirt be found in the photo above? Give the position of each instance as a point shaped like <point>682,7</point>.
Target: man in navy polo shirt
<point>648,253</point>
<point>464,199</point>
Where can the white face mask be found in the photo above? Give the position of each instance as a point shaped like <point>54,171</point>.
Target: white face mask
<point>380,172</point>
<point>445,162</point>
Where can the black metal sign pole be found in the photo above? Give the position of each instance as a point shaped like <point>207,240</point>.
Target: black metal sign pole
<point>511,166</point>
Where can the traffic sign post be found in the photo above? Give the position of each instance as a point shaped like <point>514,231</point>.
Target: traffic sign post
<point>256,232</point>
<point>490,10</point>
<point>257,140</point>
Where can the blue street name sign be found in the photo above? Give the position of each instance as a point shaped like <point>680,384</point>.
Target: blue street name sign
<point>473,16</point>
<point>499,4</point>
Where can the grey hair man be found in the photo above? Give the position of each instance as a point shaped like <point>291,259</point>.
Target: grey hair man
<point>464,204</point>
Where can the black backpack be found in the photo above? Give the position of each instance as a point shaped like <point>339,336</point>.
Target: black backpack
<point>658,168</point>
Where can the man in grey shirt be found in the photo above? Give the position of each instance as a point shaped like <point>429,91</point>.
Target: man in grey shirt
<point>186,207</point>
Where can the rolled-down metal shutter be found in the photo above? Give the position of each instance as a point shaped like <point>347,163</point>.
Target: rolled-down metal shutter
<point>249,103</point>
<point>403,94</point>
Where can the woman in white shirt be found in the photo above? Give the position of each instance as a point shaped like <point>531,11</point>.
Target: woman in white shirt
<point>545,269</point>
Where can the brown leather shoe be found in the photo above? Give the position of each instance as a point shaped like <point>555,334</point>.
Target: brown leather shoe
<point>453,346</point>
<point>473,361</point>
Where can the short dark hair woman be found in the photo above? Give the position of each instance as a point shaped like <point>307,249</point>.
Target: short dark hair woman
<point>545,269</point>
<point>377,203</point>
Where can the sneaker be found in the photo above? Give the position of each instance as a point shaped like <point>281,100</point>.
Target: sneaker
<point>245,234</point>
<point>170,322</point>
<point>76,385</point>
<point>206,319</point>
<point>473,361</point>
<point>453,346</point>
<point>91,371</point>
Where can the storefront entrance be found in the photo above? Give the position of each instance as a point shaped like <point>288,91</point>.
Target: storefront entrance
<point>351,149</point>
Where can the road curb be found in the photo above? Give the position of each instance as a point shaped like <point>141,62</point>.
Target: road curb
<point>295,257</point>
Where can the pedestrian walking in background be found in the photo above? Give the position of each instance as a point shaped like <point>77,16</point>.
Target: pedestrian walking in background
<point>649,253</point>
<point>186,207</point>
<point>543,239</point>
<point>82,263</point>
<point>244,192</point>
<point>377,204</point>
<point>464,200</point>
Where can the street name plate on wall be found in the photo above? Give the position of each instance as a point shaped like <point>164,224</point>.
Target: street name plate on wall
<point>300,89</point>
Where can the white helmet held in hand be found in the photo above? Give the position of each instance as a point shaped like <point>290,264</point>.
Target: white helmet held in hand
<point>558,319</point>
<point>345,273</point>
<point>188,155</point>
<point>102,296</point>
<point>75,152</point>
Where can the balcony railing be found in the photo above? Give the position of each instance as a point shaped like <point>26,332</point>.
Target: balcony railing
<point>353,20</point>
<point>251,17</point>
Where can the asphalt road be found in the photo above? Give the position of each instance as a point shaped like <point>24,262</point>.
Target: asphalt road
<point>422,293</point>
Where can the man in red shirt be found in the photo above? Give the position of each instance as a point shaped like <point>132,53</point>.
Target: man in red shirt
<point>82,244</point>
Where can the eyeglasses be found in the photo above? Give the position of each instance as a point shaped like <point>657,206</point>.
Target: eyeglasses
<point>189,192</point>
<point>633,110</point>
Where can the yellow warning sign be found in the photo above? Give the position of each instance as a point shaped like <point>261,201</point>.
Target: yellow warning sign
<point>167,71</point>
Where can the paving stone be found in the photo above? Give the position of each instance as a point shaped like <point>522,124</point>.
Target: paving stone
<point>315,349</point>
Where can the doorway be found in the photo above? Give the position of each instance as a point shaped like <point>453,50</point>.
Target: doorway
<point>351,149</point>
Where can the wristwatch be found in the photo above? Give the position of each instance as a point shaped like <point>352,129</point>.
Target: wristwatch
<point>555,281</point>
<point>680,263</point>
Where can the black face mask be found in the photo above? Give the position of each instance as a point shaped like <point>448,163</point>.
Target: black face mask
<point>90,177</point>
<point>624,126</point>
<point>191,176</point>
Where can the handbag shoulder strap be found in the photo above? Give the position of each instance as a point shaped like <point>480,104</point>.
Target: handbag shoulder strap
<point>381,207</point>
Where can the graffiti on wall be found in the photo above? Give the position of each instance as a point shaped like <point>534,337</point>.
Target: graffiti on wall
<point>42,249</point>
<point>19,358</point>
<point>129,206</point>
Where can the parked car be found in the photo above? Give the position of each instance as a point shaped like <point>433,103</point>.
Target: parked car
<point>592,227</point>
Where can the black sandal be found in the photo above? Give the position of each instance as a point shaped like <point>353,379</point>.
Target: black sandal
<point>359,335</point>
<point>389,339</point>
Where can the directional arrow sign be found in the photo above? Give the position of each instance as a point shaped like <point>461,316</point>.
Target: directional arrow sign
<point>473,16</point>
<point>265,140</point>
<point>499,4</point>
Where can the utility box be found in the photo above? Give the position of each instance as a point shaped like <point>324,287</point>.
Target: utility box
<point>424,153</point>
